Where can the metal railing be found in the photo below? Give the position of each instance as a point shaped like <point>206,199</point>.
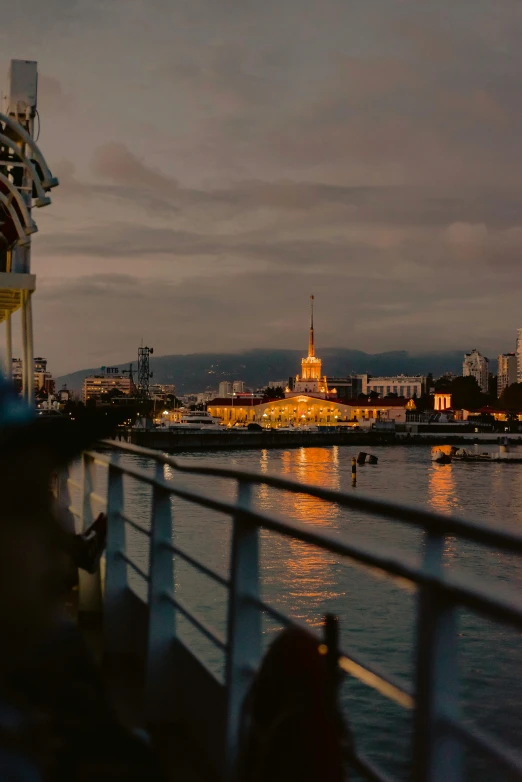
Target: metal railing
<point>440,735</point>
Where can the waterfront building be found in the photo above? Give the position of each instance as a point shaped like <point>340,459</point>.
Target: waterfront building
<point>402,385</point>
<point>309,403</point>
<point>42,379</point>
<point>476,365</point>
<point>519,355</point>
<point>441,401</point>
<point>507,371</point>
<point>310,381</point>
<point>308,410</point>
<point>95,386</point>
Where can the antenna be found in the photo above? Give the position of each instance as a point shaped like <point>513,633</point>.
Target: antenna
<point>144,373</point>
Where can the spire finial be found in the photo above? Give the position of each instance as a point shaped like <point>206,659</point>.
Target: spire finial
<point>311,350</point>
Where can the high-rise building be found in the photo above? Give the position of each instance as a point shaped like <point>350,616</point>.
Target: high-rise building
<point>43,379</point>
<point>476,365</point>
<point>507,371</point>
<point>519,356</point>
<point>229,388</point>
<point>226,388</point>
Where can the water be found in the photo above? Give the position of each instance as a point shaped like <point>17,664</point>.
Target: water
<point>377,616</point>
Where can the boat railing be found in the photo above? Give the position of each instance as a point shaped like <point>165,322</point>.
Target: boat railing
<point>177,681</point>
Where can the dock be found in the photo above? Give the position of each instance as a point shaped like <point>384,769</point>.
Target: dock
<point>176,441</point>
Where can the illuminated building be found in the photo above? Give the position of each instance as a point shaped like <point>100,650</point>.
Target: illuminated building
<point>95,386</point>
<point>402,385</point>
<point>43,379</point>
<point>507,371</point>
<point>311,381</point>
<point>310,403</point>
<point>442,401</point>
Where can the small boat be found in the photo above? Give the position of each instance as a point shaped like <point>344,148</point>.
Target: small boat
<point>439,457</point>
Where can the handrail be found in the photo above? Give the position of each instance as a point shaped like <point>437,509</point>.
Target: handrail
<point>494,601</point>
<point>440,732</point>
<point>449,525</point>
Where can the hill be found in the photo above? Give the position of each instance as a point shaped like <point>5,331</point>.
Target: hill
<point>200,371</point>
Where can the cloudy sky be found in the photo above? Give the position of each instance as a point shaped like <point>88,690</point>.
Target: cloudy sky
<point>220,160</point>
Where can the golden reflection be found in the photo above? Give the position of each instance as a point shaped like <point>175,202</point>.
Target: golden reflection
<point>263,460</point>
<point>441,487</point>
<point>311,465</point>
<point>309,573</point>
<point>309,580</point>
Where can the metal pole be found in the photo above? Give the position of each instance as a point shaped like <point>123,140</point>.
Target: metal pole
<point>244,622</point>
<point>438,754</point>
<point>25,392</point>
<point>30,349</point>
<point>115,615</point>
<point>8,347</point>
<point>162,613</point>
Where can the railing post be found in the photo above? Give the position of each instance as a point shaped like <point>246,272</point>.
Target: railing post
<point>114,620</point>
<point>244,621</point>
<point>437,754</point>
<point>162,614</point>
<point>62,501</point>
<point>89,585</point>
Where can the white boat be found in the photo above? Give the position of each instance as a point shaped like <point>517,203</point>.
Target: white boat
<point>196,420</point>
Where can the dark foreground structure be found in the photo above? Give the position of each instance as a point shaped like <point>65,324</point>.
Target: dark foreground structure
<point>171,691</point>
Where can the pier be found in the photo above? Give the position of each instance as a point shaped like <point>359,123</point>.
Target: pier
<point>177,442</point>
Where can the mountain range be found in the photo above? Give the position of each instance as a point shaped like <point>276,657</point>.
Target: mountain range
<point>196,372</point>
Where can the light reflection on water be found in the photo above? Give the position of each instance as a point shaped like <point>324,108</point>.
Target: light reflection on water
<point>377,617</point>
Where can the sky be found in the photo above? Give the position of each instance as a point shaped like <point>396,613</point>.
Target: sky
<point>221,160</point>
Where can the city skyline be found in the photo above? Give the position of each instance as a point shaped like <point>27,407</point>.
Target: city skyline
<point>240,156</point>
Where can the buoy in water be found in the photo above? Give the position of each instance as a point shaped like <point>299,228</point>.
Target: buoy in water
<point>361,458</point>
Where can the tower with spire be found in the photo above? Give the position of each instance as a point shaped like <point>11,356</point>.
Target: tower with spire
<point>311,381</point>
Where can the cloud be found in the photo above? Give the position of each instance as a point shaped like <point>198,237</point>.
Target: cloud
<point>116,163</point>
<point>52,95</point>
<point>229,156</point>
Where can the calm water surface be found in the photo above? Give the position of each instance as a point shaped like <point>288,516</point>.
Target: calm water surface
<point>377,617</point>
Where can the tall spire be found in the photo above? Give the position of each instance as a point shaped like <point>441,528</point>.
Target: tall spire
<point>311,349</point>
